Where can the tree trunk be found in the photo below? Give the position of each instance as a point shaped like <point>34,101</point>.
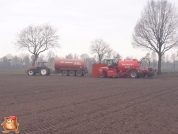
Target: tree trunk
<point>159,63</point>
<point>34,60</point>
<point>99,59</point>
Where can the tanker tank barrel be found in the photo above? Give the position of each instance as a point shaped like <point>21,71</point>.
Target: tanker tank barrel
<point>73,67</point>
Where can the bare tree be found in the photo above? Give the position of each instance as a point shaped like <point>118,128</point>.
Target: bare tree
<point>157,30</point>
<point>116,56</point>
<point>84,56</point>
<point>109,53</point>
<point>128,58</point>
<point>50,55</point>
<point>76,56</point>
<point>100,48</point>
<point>41,58</point>
<point>147,56</point>
<point>69,56</point>
<point>37,39</point>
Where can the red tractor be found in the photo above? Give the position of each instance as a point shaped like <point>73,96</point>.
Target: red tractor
<point>126,68</point>
<point>40,68</point>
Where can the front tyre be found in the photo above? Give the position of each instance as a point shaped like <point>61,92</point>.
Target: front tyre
<point>31,72</point>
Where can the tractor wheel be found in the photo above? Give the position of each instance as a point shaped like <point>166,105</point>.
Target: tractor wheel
<point>65,73</point>
<point>44,71</point>
<point>133,74</point>
<point>31,72</point>
<point>79,73</point>
<point>71,73</point>
<point>103,75</point>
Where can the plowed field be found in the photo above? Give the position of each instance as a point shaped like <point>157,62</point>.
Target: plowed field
<point>72,105</point>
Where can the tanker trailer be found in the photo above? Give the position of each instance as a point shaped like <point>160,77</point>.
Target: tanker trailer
<point>126,68</point>
<point>71,67</point>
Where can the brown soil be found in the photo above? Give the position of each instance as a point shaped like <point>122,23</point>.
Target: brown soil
<point>72,105</point>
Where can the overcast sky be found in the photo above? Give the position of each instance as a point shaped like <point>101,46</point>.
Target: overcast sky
<point>78,23</point>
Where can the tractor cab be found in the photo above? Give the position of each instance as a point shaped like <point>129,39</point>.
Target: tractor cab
<point>110,62</point>
<point>41,64</point>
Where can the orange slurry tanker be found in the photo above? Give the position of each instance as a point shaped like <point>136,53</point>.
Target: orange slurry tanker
<point>126,68</point>
<point>70,67</point>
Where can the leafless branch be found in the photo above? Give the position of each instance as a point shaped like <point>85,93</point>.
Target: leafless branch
<point>100,48</point>
<point>37,39</point>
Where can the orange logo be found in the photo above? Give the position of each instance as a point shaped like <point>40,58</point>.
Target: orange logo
<point>10,124</point>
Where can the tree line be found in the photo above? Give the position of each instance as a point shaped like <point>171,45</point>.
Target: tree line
<point>23,61</point>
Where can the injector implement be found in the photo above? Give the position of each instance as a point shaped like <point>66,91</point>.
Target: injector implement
<point>126,68</point>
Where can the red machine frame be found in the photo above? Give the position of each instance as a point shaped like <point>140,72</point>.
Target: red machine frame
<point>130,69</point>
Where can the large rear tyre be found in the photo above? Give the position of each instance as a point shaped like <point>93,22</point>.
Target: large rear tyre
<point>44,71</point>
<point>79,73</point>
<point>133,74</point>
<point>71,73</point>
<point>65,73</point>
<point>31,72</point>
